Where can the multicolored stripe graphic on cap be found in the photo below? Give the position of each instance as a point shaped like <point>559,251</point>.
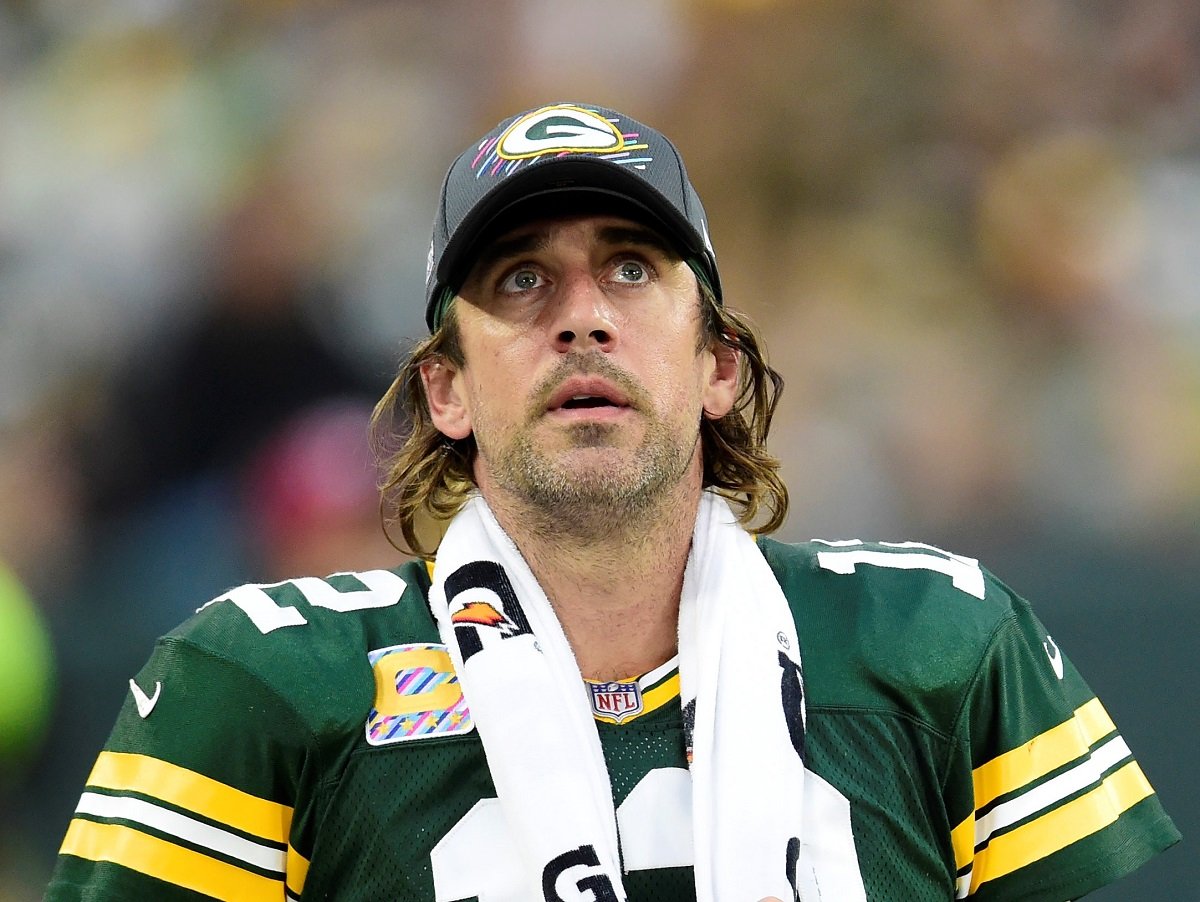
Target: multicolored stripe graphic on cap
<point>558,131</point>
<point>417,695</point>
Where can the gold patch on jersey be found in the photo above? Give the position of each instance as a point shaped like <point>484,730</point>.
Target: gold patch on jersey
<point>417,695</point>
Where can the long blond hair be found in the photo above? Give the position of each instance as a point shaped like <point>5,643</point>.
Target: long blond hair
<point>427,475</point>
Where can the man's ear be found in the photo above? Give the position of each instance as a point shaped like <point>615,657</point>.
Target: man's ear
<point>721,384</point>
<point>443,392</point>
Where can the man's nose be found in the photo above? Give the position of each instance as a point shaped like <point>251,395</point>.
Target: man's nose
<point>583,315</point>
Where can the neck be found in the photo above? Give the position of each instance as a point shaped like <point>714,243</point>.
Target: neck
<point>615,585</point>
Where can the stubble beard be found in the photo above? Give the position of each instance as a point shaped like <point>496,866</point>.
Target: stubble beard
<point>592,496</point>
<point>590,500</point>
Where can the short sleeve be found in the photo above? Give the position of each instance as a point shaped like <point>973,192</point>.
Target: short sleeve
<point>192,796</point>
<point>1055,803</point>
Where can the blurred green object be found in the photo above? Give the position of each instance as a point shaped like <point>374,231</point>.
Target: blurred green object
<point>26,674</point>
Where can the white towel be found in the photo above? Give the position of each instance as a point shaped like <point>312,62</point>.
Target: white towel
<point>741,688</point>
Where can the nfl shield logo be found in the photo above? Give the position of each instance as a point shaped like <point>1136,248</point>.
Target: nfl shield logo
<point>616,701</point>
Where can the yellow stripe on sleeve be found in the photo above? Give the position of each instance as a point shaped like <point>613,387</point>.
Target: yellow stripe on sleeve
<point>187,789</point>
<point>1057,829</point>
<point>962,840</point>
<point>297,871</point>
<point>1094,721</point>
<point>1043,753</point>
<point>166,861</point>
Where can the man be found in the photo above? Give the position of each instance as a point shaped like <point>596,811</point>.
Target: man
<point>604,687</point>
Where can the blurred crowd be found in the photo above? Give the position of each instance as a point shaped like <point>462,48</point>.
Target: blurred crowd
<point>969,231</point>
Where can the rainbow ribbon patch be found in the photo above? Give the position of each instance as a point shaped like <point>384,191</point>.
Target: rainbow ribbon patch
<point>417,695</point>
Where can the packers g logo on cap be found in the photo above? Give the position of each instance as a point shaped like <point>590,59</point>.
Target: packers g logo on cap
<point>559,129</point>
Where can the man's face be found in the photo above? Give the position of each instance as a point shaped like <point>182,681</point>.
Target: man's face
<point>582,381</point>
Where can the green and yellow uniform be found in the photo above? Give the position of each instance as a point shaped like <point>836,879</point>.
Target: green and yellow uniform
<point>308,740</point>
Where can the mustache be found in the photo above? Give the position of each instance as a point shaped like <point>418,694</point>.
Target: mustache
<point>590,364</point>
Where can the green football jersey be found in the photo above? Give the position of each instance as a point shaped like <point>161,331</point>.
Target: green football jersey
<point>309,740</point>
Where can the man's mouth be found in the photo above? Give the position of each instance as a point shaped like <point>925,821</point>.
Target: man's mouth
<point>586,401</point>
<point>587,393</point>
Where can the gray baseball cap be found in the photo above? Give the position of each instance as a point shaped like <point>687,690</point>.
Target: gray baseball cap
<point>549,158</point>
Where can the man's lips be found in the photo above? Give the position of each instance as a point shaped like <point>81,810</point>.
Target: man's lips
<point>587,393</point>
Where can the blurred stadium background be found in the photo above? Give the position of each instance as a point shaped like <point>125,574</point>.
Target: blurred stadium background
<point>971,232</point>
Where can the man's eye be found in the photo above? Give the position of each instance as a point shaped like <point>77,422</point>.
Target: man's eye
<point>631,271</point>
<point>521,280</point>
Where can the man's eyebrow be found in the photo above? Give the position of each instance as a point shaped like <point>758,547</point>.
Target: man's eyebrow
<point>529,242</point>
<point>638,235</point>
<point>515,246</point>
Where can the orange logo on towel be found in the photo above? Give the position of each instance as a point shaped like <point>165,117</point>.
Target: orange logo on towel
<point>479,612</point>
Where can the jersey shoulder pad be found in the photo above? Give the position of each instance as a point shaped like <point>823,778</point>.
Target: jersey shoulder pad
<point>902,575</point>
<point>906,618</point>
<point>313,630</point>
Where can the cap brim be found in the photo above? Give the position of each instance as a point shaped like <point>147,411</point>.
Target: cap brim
<point>556,188</point>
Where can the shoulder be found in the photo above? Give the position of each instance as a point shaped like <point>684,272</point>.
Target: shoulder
<point>308,640</point>
<point>905,578</point>
<point>883,617</point>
